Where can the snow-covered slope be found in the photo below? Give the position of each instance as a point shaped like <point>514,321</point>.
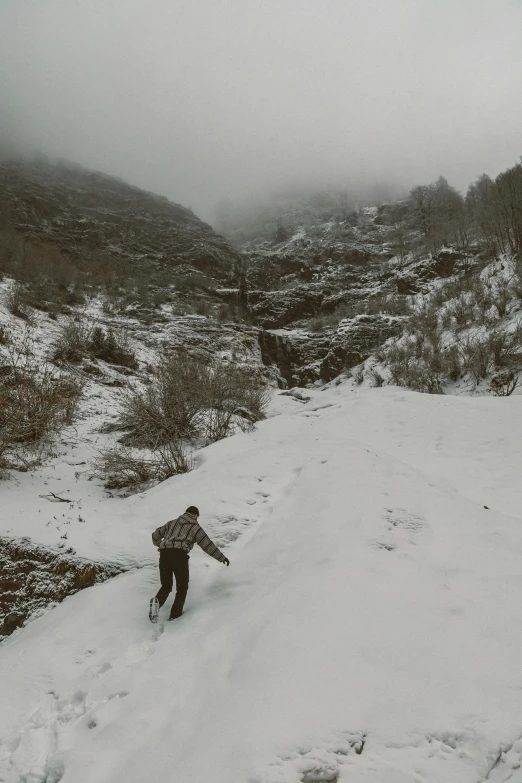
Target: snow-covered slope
<point>368,629</point>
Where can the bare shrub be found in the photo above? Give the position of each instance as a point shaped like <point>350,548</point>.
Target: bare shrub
<point>451,363</point>
<point>191,399</point>
<point>424,319</point>
<point>71,345</point>
<point>123,468</point>
<point>376,379</point>
<point>455,287</point>
<point>398,304</point>
<point>500,349</point>
<point>505,346</point>
<point>422,362</point>
<point>193,281</point>
<point>446,319</point>
<point>501,296</point>
<point>35,402</point>
<point>16,302</point>
<point>77,341</point>
<point>395,304</point>
<point>111,347</point>
<point>358,375</point>
<point>234,399</point>
<point>324,321</point>
<point>107,306</point>
<point>416,364</point>
<point>516,281</point>
<point>504,383</point>
<point>483,294</point>
<point>476,357</point>
<point>463,310</point>
<point>188,400</point>
<point>169,408</point>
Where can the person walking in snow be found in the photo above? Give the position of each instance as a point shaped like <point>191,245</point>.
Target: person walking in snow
<point>174,540</point>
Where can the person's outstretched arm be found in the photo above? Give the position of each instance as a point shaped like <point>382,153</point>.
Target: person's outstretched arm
<point>208,546</point>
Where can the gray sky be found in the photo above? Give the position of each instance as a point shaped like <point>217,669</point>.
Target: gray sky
<point>202,100</point>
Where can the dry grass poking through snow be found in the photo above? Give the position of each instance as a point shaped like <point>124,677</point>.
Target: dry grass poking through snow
<point>36,402</point>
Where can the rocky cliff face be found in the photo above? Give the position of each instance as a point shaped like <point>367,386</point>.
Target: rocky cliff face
<point>304,357</point>
<point>335,290</point>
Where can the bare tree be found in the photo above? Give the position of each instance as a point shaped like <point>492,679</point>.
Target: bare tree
<point>496,210</point>
<point>438,210</point>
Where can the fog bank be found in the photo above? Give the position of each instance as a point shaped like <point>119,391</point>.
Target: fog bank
<point>230,99</point>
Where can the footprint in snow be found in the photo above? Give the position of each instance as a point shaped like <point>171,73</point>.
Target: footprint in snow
<point>85,656</point>
<point>101,669</point>
<point>404,520</point>
<point>321,764</point>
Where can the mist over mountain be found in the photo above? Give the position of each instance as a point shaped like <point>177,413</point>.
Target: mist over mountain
<point>202,102</point>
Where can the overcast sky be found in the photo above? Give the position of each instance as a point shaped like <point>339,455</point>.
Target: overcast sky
<point>202,100</point>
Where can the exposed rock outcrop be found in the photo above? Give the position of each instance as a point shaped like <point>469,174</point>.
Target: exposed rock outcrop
<point>414,276</point>
<point>305,357</point>
<point>275,309</point>
<point>355,340</point>
<point>297,354</point>
<point>33,577</point>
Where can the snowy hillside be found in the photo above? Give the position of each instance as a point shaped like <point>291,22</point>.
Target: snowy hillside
<point>368,628</point>
<point>86,213</point>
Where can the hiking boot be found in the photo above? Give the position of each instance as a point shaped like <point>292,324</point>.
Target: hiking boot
<point>154,610</point>
<point>175,615</point>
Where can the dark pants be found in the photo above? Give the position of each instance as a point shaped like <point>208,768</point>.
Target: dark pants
<point>173,563</point>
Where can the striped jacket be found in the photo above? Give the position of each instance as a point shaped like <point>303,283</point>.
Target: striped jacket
<point>183,533</point>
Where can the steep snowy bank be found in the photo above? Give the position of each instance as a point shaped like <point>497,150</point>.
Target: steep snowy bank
<point>368,629</point>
